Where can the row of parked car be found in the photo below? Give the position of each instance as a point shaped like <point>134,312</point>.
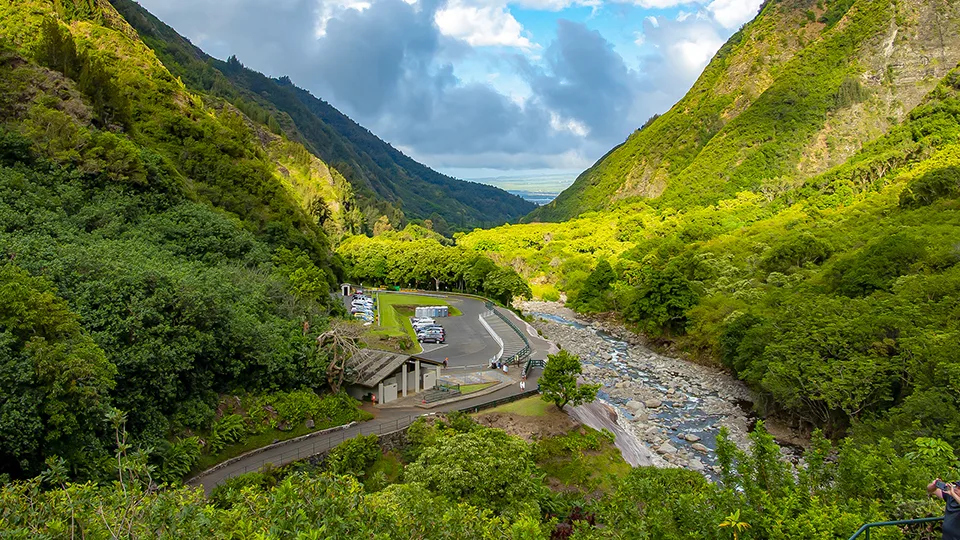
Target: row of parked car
<point>362,307</point>
<point>427,329</point>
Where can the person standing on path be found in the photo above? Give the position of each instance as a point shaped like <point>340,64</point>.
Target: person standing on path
<point>950,494</point>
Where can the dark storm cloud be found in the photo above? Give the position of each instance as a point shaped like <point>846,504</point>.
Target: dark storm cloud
<point>586,80</point>
<point>389,67</point>
<point>381,64</point>
<point>365,55</point>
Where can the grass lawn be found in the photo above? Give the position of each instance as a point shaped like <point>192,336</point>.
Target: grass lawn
<point>470,388</point>
<point>531,406</point>
<point>583,459</point>
<point>390,305</point>
<point>395,312</point>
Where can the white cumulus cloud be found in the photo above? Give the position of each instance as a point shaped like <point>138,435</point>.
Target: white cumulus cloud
<point>480,26</point>
<point>733,13</point>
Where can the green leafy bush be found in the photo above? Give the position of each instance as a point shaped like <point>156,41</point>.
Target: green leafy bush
<point>931,187</point>
<point>179,458</point>
<point>878,265</point>
<point>226,430</point>
<point>353,456</point>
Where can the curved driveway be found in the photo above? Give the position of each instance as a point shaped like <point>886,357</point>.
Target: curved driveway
<point>468,345</point>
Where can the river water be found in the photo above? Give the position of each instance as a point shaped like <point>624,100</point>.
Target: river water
<point>679,420</point>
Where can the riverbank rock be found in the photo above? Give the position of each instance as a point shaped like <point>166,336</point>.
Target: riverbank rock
<point>662,394</point>
<point>667,448</point>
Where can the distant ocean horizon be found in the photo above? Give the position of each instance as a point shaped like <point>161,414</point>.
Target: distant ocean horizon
<point>538,188</point>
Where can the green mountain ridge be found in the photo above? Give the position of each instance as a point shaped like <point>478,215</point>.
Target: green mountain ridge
<point>384,180</point>
<point>795,92</point>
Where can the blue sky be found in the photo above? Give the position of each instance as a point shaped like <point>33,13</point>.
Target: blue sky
<point>474,86</point>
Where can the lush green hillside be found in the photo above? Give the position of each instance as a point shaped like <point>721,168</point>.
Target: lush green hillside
<point>385,181</point>
<point>796,91</point>
<point>837,299</point>
<point>156,248</point>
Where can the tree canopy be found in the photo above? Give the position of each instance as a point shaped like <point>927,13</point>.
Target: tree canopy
<point>558,382</point>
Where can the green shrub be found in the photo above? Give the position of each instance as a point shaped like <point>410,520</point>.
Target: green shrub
<point>931,187</point>
<point>796,252</point>
<point>178,459</point>
<point>876,266</point>
<point>227,430</point>
<point>353,456</point>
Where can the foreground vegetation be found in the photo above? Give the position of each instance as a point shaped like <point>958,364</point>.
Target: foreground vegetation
<point>456,479</point>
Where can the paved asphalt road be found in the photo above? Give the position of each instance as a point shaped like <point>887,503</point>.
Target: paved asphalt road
<point>468,344</point>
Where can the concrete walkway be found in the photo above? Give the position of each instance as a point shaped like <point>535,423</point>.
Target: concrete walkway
<point>386,419</point>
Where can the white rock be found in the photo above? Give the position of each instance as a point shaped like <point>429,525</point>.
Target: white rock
<point>695,465</point>
<point>690,437</point>
<point>667,448</point>
<point>634,406</point>
<point>652,403</point>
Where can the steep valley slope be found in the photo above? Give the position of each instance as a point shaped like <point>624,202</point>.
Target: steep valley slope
<point>796,91</point>
<point>384,181</point>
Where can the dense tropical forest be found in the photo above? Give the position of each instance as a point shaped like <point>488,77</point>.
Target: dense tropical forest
<point>172,226</point>
<point>153,255</point>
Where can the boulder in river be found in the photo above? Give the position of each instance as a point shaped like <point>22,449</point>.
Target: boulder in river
<point>690,437</point>
<point>652,403</point>
<point>699,447</point>
<point>634,406</point>
<point>667,448</point>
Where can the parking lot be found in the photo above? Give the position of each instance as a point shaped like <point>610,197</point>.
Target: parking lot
<point>467,343</point>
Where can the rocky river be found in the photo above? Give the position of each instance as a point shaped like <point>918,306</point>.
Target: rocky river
<point>672,409</point>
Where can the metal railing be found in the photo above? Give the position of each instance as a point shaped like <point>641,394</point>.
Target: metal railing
<point>865,529</point>
<point>486,326</point>
<point>533,363</point>
<point>323,444</point>
<point>501,401</point>
<point>517,357</point>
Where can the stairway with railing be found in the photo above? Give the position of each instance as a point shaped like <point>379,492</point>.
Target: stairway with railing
<point>441,391</point>
<point>516,347</point>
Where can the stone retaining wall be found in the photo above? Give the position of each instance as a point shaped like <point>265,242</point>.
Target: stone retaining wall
<point>395,440</point>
